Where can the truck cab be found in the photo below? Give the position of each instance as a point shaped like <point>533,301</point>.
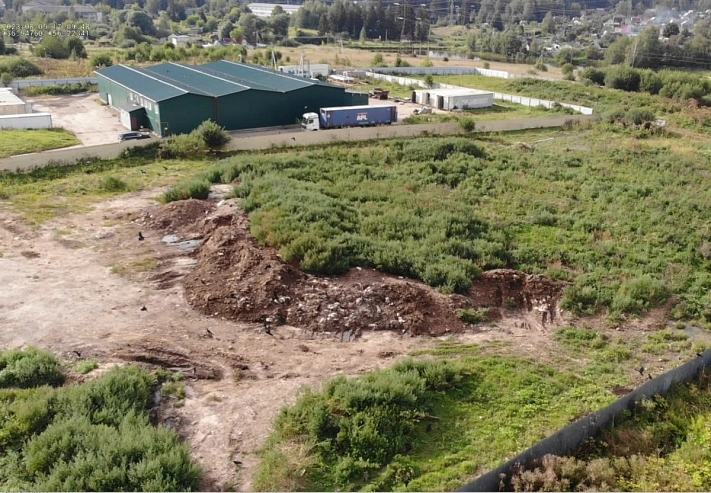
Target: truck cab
<point>310,122</point>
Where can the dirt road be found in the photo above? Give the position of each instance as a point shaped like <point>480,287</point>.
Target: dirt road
<point>92,123</point>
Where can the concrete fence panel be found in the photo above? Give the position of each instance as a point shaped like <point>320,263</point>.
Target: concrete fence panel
<point>19,84</point>
<point>27,162</point>
<point>570,438</point>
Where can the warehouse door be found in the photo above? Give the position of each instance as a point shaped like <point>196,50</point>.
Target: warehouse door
<point>440,102</point>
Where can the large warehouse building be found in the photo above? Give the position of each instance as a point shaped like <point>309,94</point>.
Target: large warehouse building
<point>173,98</point>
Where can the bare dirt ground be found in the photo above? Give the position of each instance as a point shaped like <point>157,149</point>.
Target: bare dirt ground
<point>92,123</point>
<point>77,286</point>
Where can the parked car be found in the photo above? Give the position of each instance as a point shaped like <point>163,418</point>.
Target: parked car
<point>133,136</point>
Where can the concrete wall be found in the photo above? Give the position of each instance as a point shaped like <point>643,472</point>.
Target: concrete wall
<point>255,141</point>
<point>570,438</point>
<point>26,121</point>
<point>532,102</point>
<point>18,84</point>
<point>27,162</point>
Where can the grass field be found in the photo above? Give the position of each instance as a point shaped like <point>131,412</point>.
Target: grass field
<point>479,406</point>
<point>13,142</point>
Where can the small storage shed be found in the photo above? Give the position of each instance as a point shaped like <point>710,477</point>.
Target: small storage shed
<point>454,99</point>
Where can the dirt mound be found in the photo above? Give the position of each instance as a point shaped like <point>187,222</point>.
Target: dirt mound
<point>239,279</point>
<point>511,289</point>
<point>184,216</point>
<point>170,360</point>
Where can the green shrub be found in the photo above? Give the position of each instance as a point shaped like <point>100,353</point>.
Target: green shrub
<point>358,425</point>
<point>213,135</point>
<point>196,189</point>
<point>29,368</point>
<point>474,316</point>
<point>567,68</point>
<point>86,366</point>
<point>624,78</point>
<point>185,146</point>
<point>594,74</point>
<point>20,68</point>
<point>113,184</point>
<point>540,66</point>
<point>468,124</point>
<point>639,294</point>
<point>101,60</point>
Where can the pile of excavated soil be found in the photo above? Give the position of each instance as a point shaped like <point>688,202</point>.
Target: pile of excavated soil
<point>239,279</point>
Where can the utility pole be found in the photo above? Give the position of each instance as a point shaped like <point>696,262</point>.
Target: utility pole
<point>451,12</point>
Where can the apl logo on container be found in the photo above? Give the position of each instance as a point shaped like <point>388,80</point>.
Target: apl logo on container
<point>362,116</point>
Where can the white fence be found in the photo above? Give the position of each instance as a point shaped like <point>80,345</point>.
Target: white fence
<point>522,100</point>
<point>26,121</point>
<point>499,74</point>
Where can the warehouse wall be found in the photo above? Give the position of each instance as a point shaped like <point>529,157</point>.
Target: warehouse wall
<point>253,109</point>
<point>120,97</point>
<point>183,114</point>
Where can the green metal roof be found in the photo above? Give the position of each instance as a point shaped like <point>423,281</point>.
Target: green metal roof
<point>260,77</point>
<point>199,81</point>
<point>169,80</point>
<point>144,84</point>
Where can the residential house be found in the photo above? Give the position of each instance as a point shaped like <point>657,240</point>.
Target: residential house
<point>83,12</point>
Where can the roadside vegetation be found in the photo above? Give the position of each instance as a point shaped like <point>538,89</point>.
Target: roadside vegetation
<point>661,444</point>
<point>435,424</point>
<point>96,436</point>
<point>13,142</point>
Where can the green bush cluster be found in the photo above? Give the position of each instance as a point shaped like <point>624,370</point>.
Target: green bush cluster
<point>29,368</point>
<point>75,88</point>
<point>91,437</point>
<point>20,67</point>
<point>207,136</point>
<point>666,83</point>
<point>353,427</point>
<point>146,52</point>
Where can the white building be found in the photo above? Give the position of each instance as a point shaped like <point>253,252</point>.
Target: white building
<point>454,99</point>
<point>307,70</point>
<point>266,9</point>
<point>10,104</point>
<point>179,39</point>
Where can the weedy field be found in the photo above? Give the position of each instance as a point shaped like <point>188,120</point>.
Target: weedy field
<point>616,210</point>
<point>13,142</point>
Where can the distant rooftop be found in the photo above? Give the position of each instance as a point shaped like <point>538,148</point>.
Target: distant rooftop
<point>169,80</point>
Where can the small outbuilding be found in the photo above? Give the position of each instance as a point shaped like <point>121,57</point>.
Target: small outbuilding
<point>454,99</point>
<point>11,104</point>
